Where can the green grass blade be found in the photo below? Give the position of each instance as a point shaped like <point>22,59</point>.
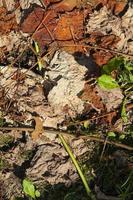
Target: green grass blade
<point>88,190</point>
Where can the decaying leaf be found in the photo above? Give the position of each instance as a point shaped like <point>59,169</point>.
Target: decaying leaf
<point>89,95</point>
<point>47,2</point>
<point>33,20</point>
<point>70,26</point>
<point>7,21</point>
<point>114,5</point>
<point>102,57</point>
<point>65,30</point>
<point>68,5</point>
<point>38,128</point>
<point>104,41</point>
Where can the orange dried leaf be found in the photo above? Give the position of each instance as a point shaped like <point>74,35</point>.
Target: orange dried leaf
<point>38,128</point>
<point>119,7</point>
<point>33,20</point>
<point>67,5</point>
<point>102,57</point>
<point>70,26</point>
<point>7,21</point>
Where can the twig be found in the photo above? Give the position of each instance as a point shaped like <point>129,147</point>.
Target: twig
<point>104,146</point>
<point>99,48</point>
<point>56,132</point>
<point>91,119</point>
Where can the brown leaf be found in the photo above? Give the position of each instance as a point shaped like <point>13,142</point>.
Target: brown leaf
<point>109,118</point>
<point>47,2</point>
<point>102,57</point>
<point>68,29</point>
<point>114,5</point>
<point>7,21</point>
<point>119,7</point>
<point>70,26</point>
<point>33,20</point>
<point>108,41</point>
<point>38,128</point>
<point>67,5</point>
<point>89,94</point>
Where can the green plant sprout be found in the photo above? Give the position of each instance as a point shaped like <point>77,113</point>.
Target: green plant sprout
<point>40,65</point>
<point>124,74</point>
<point>29,189</point>
<point>84,181</point>
<point>123,112</point>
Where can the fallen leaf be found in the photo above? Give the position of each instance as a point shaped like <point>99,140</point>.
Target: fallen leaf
<point>104,41</point>
<point>65,30</point>
<point>70,26</point>
<point>31,22</point>
<point>47,2</point>
<point>108,41</point>
<point>110,117</point>
<point>119,7</point>
<point>102,57</point>
<point>7,21</point>
<point>107,82</point>
<point>68,5</point>
<point>115,6</point>
<point>89,94</point>
<point>38,128</point>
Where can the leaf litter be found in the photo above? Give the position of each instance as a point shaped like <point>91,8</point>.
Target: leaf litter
<point>75,39</point>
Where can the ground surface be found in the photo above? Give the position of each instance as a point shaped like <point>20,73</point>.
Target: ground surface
<point>66,67</point>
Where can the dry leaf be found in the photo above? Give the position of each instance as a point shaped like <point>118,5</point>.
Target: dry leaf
<point>47,2</point>
<point>7,21</point>
<point>119,7</point>
<point>102,57</point>
<point>67,5</point>
<point>33,20</point>
<point>70,26</point>
<point>114,5</point>
<point>89,94</point>
<point>108,41</point>
<point>38,128</point>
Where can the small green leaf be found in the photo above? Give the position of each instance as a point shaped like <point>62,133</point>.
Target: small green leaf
<point>86,124</point>
<point>131,78</point>
<point>37,47</point>
<point>111,134</point>
<point>123,112</point>
<point>37,193</point>
<point>129,66</point>
<point>121,137</point>
<point>107,82</point>
<point>113,64</point>
<point>29,188</point>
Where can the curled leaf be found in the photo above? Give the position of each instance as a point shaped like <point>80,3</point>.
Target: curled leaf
<point>38,128</point>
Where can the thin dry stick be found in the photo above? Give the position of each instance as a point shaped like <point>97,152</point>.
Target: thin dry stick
<point>40,24</point>
<point>36,63</point>
<point>104,146</point>
<point>91,138</point>
<point>99,48</point>
<point>12,63</point>
<point>91,119</point>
